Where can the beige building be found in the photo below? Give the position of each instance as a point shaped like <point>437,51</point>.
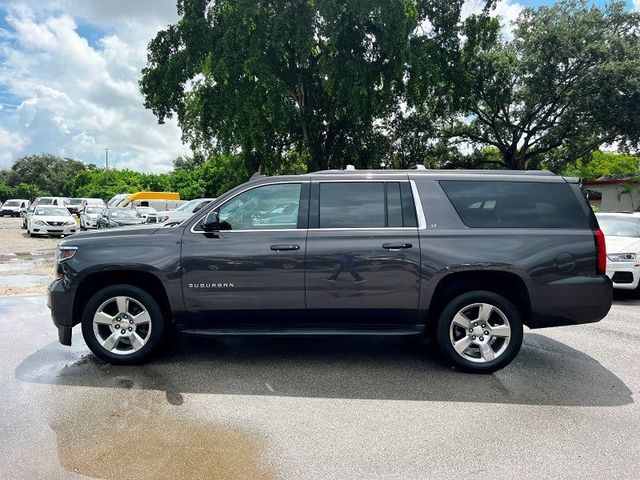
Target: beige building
<point>616,194</point>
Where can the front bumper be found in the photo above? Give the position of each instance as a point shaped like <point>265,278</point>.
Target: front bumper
<point>11,213</point>
<point>89,223</point>
<point>624,275</point>
<point>60,301</point>
<point>571,301</point>
<point>55,230</point>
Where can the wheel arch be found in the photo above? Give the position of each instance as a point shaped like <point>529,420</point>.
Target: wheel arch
<point>508,284</point>
<point>143,280</point>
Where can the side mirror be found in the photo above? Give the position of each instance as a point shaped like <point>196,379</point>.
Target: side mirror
<point>211,222</point>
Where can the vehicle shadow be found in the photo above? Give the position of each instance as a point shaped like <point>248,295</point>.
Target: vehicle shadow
<point>546,372</point>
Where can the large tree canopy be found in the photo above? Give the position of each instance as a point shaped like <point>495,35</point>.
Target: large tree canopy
<point>567,83</point>
<point>321,78</point>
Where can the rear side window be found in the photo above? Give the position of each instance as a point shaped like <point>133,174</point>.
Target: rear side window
<point>515,204</point>
<point>365,205</point>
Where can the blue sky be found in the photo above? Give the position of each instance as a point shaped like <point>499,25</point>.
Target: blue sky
<point>69,73</point>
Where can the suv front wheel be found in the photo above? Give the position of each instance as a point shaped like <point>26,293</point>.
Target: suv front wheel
<point>122,324</point>
<point>479,331</point>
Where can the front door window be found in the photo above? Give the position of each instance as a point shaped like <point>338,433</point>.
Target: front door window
<point>270,207</point>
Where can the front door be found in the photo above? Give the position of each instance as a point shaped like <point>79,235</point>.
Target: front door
<point>363,253</point>
<point>252,270</point>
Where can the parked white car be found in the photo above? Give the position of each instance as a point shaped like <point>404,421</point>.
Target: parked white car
<point>51,220</point>
<point>94,202</point>
<point>149,214</point>
<point>89,216</point>
<point>173,217</point>
<point>13,207</point>
<point>622,235</point>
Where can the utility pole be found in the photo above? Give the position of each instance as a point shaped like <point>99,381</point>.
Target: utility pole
<point>106,159</point>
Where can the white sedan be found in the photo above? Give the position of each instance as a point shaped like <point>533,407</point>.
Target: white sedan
<point>622,232</point>
<point>51,220</point>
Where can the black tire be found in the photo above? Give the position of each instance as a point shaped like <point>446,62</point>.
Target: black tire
<point>156,335</point>
<point>500,306</point>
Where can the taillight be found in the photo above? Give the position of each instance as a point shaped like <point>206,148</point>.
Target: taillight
<point>601,248</point>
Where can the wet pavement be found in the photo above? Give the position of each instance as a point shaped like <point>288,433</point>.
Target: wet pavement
<point>322,408</point>
<point>26,263</point>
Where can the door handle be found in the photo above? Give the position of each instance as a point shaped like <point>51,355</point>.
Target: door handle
<point>284,248</point>
<point>396,246</point>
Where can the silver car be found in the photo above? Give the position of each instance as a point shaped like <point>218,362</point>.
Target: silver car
<point>89,217</point>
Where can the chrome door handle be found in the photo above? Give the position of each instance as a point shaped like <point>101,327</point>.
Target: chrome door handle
<point>396,246</point>
<point>284,248</point>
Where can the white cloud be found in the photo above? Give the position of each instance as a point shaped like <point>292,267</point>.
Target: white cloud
<point>77,97</point>
<point>636,5</point>
<point>10,144</point>
<point>507,10</point>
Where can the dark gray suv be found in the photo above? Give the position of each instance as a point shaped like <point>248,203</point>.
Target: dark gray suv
<point>467,257</point>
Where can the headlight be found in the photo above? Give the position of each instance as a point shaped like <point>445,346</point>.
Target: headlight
<point>163,218</point>
<point>65,253</point>
<point>622,257</point>
<point>70,222</point>
<point>40,223</point>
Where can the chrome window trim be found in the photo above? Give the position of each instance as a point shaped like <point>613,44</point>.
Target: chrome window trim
<point>364,229</point>
<point>250,187</point>
<point>422,222</point>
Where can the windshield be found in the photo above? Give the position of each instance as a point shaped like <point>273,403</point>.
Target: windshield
<point>127,214</point>
<point>45,201</point>
<point>620,227</point>
<point>93,210</point>
<point>11,203</point>
<point>187,206</point>
<point>118,198</point>
<point>52,212</point>
<point>73,201</point>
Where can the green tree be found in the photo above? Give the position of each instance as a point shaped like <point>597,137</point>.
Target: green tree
<point>51,175</point>
<point>299,79</point>
<point>604,164</point>
<point>567,83</point>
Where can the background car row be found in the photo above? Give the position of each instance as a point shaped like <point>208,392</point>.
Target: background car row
<point>93,213</point>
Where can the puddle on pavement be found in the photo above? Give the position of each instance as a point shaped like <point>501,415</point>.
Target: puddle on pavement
<point>136,435</point>
<point>23,281</point>
<point>16,266</point>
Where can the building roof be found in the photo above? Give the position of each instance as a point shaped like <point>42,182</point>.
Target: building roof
<point>614,180</point>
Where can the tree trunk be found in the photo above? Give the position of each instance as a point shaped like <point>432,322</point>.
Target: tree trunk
<point>512,161</point>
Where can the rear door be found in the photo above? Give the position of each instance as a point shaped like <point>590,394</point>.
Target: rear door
<point>363,254</point>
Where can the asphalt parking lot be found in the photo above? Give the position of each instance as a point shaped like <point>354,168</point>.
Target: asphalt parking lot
<point>347,408</point>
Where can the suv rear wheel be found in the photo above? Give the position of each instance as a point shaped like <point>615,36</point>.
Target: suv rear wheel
<point>123,324</point>
<point>479,331</point>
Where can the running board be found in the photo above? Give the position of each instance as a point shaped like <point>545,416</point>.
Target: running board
<point>307,331</point>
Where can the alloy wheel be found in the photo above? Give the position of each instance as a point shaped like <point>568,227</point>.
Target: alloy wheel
<point>122,325</point>
<point>480,332</point>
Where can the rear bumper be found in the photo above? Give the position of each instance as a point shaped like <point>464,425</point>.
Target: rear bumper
<point>572,301</point>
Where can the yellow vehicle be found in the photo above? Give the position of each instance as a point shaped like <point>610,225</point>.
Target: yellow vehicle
<point>164,200</point>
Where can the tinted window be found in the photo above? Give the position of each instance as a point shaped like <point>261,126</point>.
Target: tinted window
<point>394,205</point>
<point>515,204</point>
<point>263,208</point>
<point>352,205</point>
